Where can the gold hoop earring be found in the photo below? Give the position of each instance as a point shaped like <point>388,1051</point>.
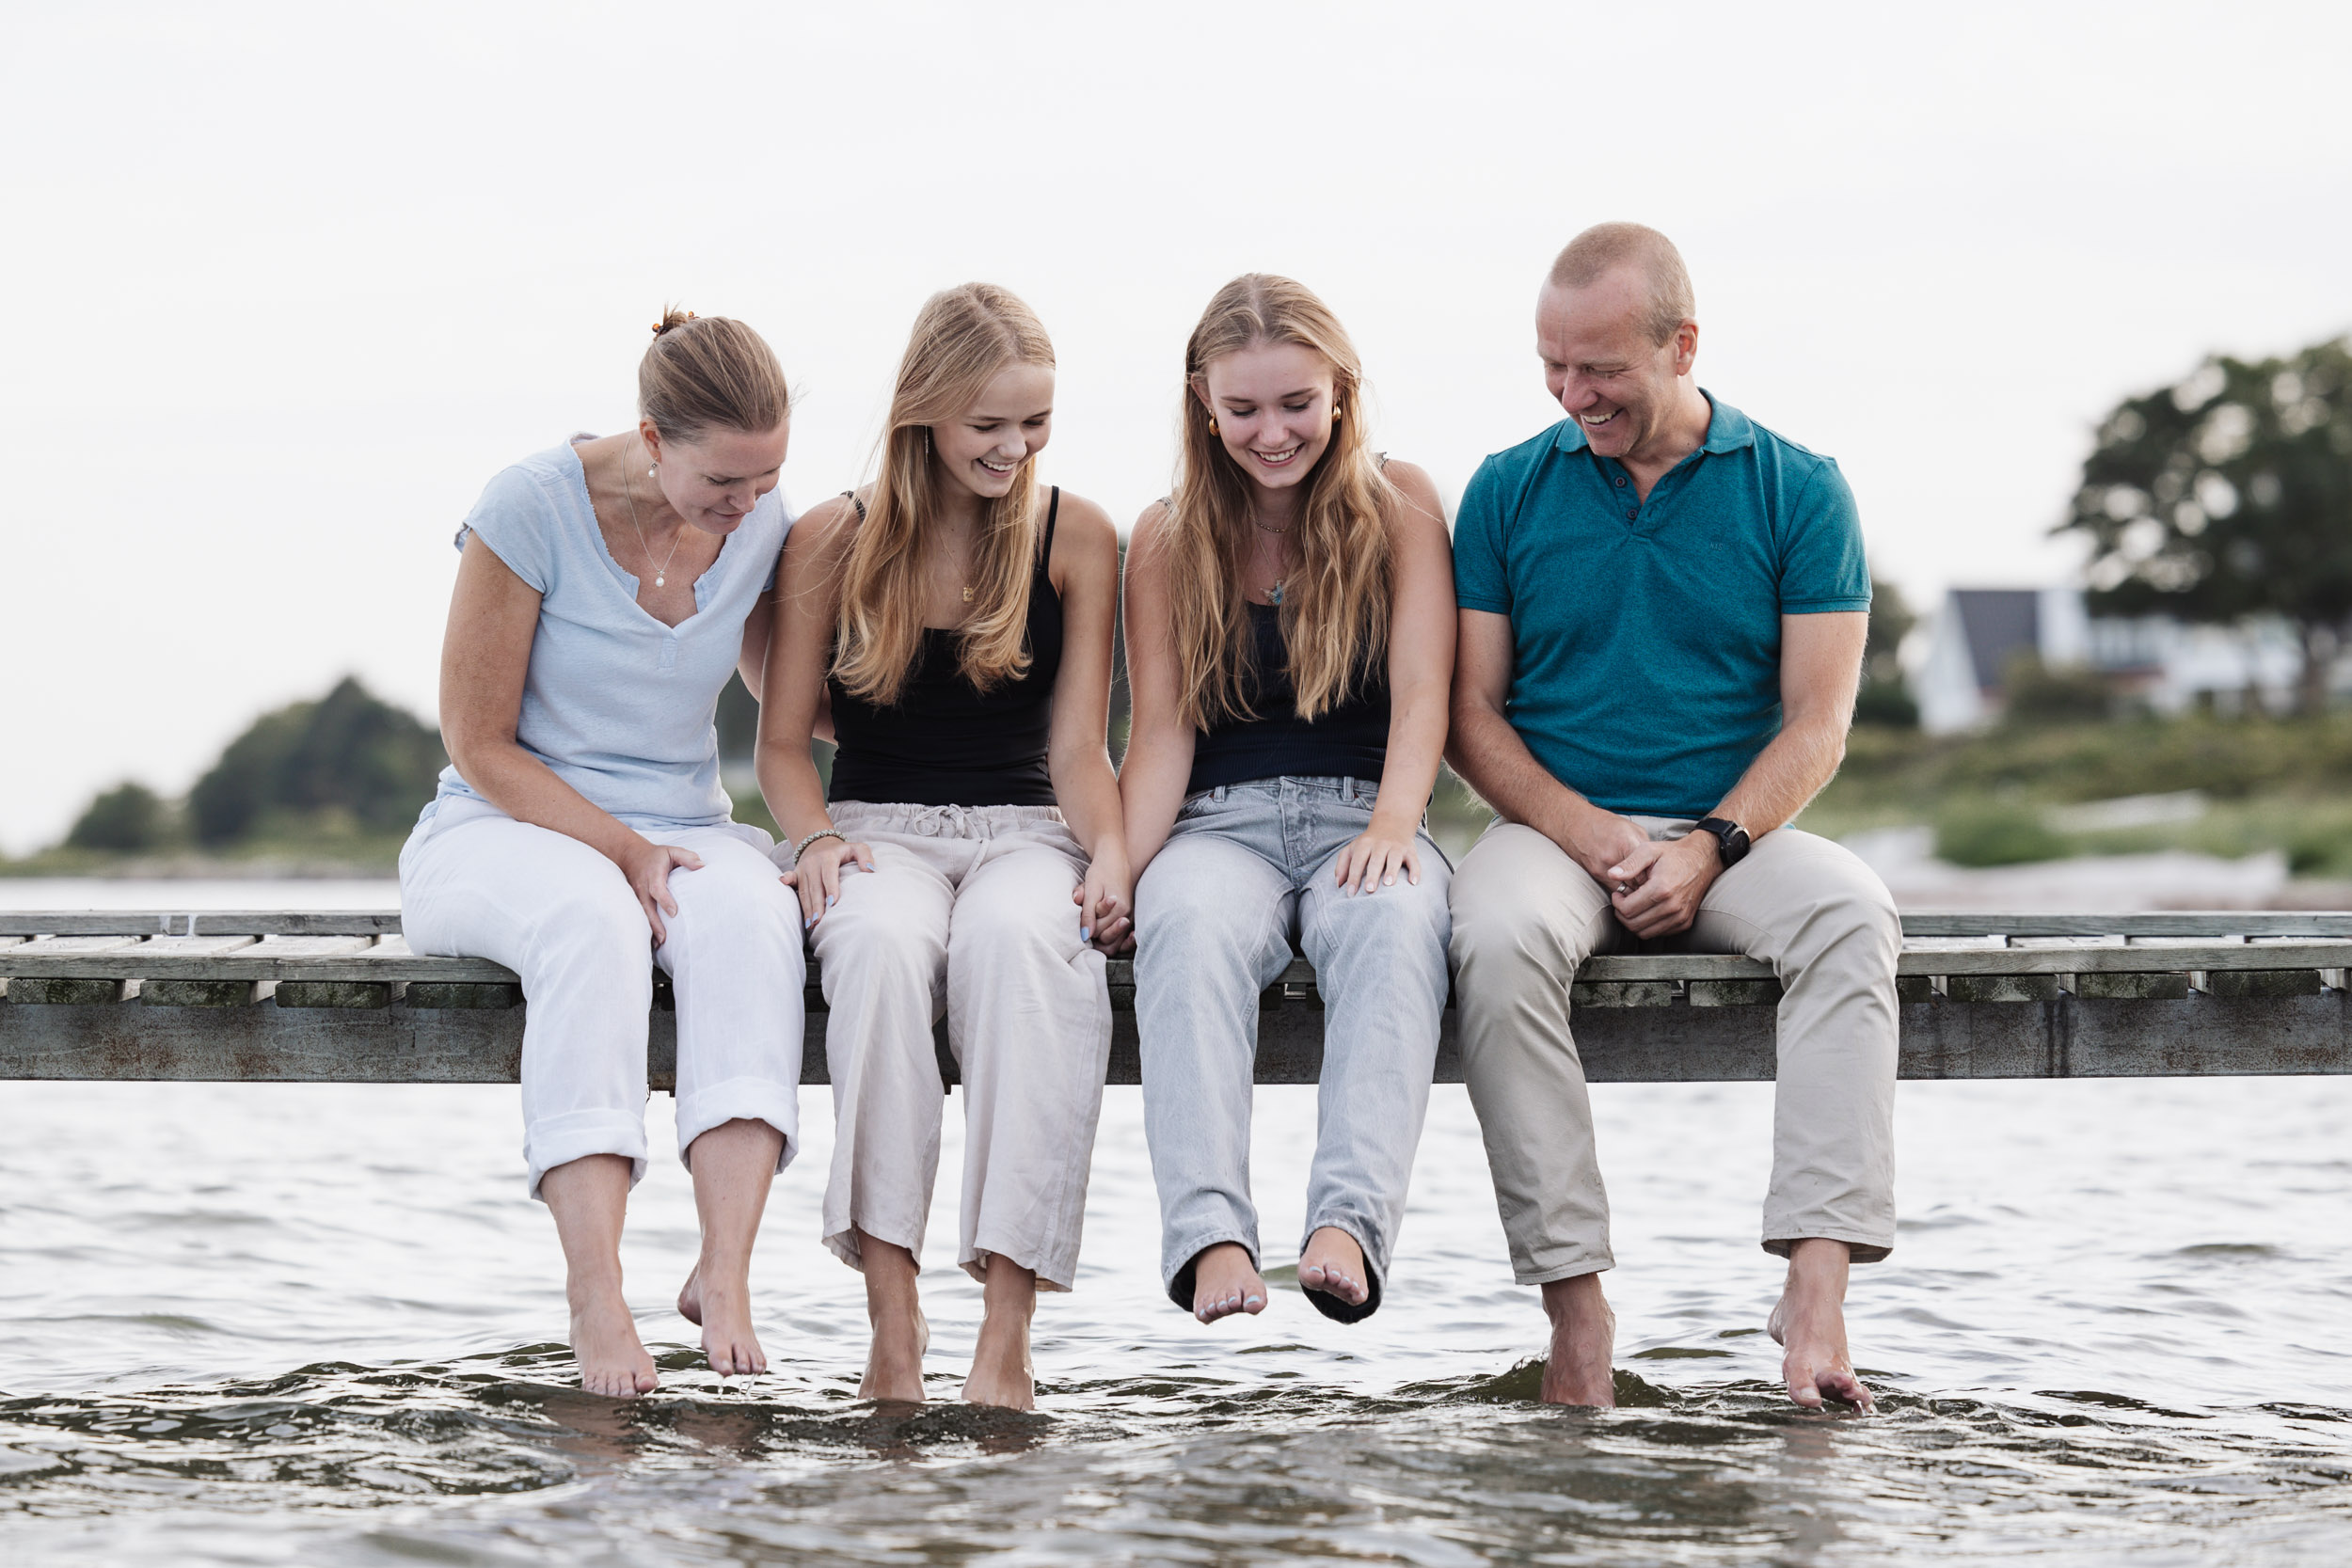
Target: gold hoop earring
<point>1212,424</point>
<point>1335,413</point>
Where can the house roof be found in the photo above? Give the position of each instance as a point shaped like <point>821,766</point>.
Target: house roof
<point>1998,623</point>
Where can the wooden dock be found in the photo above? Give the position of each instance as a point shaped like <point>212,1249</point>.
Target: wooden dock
<point>279,996</point>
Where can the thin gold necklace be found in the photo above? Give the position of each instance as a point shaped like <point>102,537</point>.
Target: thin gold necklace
<point>662,573</point>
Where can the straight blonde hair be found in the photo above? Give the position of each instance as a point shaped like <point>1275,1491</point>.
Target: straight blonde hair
<point>962,337</point>
<point>1334,611</point>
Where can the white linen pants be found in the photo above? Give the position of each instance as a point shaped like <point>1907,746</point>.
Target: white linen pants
<point>1525,916</point>
<point>968,911</point>
<point>476,883</point>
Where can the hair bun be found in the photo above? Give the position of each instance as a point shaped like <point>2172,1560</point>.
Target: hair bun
<point>671,319</point>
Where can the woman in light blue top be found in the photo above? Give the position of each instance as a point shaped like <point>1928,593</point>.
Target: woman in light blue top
<point>606,590</point>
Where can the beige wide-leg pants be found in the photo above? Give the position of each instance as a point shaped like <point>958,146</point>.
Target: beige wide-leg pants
<point>968,911</point>
<point>1525,916</point>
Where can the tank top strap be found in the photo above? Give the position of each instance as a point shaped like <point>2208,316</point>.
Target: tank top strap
<point>1052,511</point>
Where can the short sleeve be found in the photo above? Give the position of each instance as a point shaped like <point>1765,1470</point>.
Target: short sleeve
<point>1479,580</point>
<point>513,518</point>
<point>1823,568</point>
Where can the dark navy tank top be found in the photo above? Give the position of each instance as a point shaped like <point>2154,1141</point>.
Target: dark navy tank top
<point>1350,740</point>
<point>946,742</point>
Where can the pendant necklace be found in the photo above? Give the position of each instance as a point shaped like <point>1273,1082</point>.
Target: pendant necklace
<point>1274,593</point>
<point>662,573</point>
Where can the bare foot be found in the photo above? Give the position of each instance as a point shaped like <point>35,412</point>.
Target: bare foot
<point>1809,1325</point>
<point>612,1359</point>
<point>1224,1282</point>
<point>1001,1373</point>
<point>894,1365</point>
<point>1583,1340</point>
<point>1334,1264</point>
<point>728,1340</point>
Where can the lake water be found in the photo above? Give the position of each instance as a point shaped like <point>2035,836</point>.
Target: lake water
<point>320,1324</point>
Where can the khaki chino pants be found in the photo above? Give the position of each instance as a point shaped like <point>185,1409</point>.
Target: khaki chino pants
<point>1525,916</point>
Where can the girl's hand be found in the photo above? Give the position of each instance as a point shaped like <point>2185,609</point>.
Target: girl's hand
<point>647,865</point>
<point>1105,903</point>
<point>1374,857</point>
<point>818,876</point>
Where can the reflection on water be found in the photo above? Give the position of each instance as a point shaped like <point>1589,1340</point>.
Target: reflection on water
<point>311,1324</point>
<point>2112,1332</point>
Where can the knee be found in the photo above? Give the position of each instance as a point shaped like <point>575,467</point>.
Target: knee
<point>1013,936</point>
<point>734,906</point>
<point>865,953</point>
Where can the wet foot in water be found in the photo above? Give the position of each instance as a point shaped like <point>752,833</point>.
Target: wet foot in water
<point>1809,1325</point>
<point>1001,1373</point>
<point>1583,1340</point>
<point>894,1365</point>
<point>1334,1264</point>
<point>724,1316</point>
<point>1224,1282</point>
<point>611,1357</point>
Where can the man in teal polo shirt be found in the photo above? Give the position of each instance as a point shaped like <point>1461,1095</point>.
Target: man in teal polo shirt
<point>1662,610</point>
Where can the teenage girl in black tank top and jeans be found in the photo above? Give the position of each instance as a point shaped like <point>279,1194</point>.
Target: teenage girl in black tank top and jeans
<point>969,849</point>
<point>1289,637</point>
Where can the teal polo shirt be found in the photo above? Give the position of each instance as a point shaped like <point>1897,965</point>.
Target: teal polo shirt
<point>1645,635</point>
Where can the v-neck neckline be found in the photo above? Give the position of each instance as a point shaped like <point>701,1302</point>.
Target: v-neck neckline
<point>624,576</point>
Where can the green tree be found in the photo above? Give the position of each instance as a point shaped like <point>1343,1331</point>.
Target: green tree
<point>2230,495</point>
<point>346,756</point>
<point>1885,696</point>
<point>127,817</point>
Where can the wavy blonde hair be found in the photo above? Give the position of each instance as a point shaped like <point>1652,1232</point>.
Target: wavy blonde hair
<point>1334,612</point>
<point>962,337</point>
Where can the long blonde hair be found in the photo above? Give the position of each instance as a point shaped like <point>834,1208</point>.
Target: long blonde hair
<point>962,337</point>
<point>1334,610</point>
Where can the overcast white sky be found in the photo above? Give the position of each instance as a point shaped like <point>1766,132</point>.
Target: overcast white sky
<point>285,284</point>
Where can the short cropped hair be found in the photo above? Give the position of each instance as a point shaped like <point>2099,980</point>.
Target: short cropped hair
<point>1606,247</point>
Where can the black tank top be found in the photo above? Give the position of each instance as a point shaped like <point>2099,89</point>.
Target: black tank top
<point>946,742</point>
<point>1350,740</point>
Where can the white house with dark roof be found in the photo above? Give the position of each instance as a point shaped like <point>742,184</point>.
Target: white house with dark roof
<point>2165,664</point>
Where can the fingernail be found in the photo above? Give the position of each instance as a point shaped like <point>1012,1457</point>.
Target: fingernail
<point>828,899</point>
<point>1085,933</point>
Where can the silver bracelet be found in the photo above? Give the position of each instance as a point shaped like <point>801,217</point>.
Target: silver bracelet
<point>802,849</point>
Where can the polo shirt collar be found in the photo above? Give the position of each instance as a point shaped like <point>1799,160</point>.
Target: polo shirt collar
<point>1727,429</point>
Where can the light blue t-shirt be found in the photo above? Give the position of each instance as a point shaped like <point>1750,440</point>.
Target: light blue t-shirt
<point>1645,634</point>
<point>621,707</point>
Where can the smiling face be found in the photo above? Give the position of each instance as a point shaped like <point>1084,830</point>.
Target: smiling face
<point>714,480</point>
<point>1603,366</point>
<point>1272,404</point>
<point>982,447</point>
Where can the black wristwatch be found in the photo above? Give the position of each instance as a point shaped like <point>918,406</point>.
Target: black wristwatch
<point>1729,835</point>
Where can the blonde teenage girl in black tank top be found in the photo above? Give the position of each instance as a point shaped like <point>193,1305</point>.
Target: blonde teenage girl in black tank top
<point>972,848</point>
<point>1290,615</point>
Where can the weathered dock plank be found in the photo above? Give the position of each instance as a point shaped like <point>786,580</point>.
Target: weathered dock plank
<point>2161,996</point>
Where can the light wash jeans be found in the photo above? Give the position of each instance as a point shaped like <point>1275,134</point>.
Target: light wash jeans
<point>1248,867</point>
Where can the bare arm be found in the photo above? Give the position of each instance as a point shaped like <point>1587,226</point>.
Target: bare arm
<point>1420,672</point>
<point>1820,669</point>
<point>1086,567</point>
<point>806,601</point>
<point>1159,741</point>
<point>486,654</point>
<point>1494,760</point>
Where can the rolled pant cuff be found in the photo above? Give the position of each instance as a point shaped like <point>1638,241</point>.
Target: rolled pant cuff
<point>1593,1262</point>
<point>1177,1277</point>
<point>1055,1271</point>
<point>1366,1235</point>
<point>741,1100</point>
<point>1865,1249</point>
<point>562,1139</point>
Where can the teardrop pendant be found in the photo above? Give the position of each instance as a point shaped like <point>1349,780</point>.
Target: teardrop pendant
<point>661,581</point>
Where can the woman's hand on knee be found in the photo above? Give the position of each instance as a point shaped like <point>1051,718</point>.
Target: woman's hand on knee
<point>1374,858</point>
<point>647,866</point>
<point>817,876</point>
<point>1106,904</point>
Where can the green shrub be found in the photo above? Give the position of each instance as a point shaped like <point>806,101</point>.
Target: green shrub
<point>126,818</point>
<point>1992,832</point>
